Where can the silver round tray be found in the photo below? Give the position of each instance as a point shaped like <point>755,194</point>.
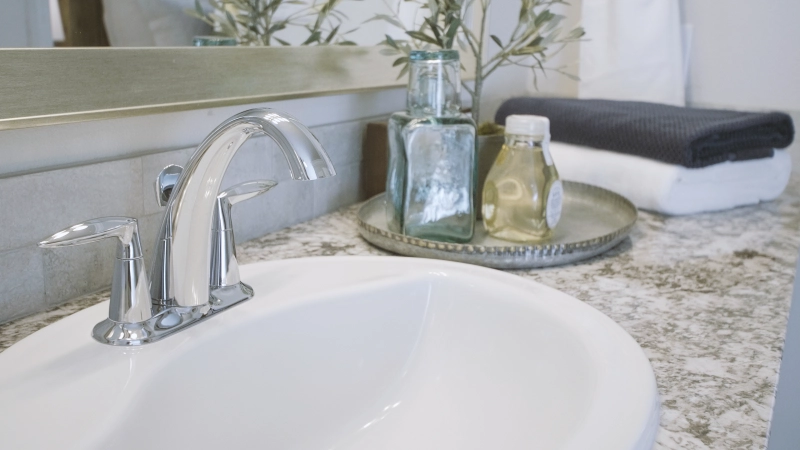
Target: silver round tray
<point>593,220</point>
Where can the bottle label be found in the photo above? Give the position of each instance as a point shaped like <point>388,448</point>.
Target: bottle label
<point>554,200</point>
<point>548,158</point>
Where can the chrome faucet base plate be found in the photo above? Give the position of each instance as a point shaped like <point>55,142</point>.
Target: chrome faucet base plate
<point>226,296</point>
<point>160,326</point>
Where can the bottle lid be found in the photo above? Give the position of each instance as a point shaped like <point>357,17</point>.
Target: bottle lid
<point>527,125</point>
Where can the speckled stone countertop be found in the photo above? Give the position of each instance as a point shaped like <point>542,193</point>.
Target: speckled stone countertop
<point>706,296</point>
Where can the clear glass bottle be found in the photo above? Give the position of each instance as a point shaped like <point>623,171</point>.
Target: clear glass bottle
<point>214,41</point>
<point>432,167</point>
<point>522,195</point>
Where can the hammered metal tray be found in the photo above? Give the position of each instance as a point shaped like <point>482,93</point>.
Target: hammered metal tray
<point>593,220</point>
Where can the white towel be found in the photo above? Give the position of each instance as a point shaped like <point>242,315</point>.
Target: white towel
<point>672,189</point>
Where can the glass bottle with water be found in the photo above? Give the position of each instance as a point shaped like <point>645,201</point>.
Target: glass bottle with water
<point>522,195</point>
<point>431,177</point>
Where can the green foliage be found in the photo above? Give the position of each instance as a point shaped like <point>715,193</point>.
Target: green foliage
<point>536,38</point>
<point>256,22</point>
<point>490,129</point>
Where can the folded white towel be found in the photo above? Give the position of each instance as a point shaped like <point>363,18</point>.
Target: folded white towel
<point>672,189</point>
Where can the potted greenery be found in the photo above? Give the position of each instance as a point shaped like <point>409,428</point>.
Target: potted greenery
<point>257,22</point>
<point>536,38</point>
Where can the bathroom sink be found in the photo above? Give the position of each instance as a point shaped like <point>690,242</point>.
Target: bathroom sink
<point>344,353</point>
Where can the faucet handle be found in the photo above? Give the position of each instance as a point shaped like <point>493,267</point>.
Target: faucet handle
<point>234,195</point>
<point>246,191</point>
<point>130,297</point>
<point>166,180</point>
<point>226,286</point>
<point>124,228</point>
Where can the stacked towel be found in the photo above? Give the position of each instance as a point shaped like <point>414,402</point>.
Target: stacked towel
<point>673,189</point>
<point>668,159</point>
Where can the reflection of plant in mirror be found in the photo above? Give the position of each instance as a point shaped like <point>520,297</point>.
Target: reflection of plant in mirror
<point>255,22</point>
<point>536,38</point>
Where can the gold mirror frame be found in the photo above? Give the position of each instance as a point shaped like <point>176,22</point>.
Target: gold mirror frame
<point>55,86</point>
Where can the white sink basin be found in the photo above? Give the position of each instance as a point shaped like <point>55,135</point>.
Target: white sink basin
<point>344,353</point>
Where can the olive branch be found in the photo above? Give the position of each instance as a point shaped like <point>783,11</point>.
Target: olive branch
<point>256,22</point>
<point>537,37</point>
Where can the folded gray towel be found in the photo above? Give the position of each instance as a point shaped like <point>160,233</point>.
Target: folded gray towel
<point>684,136</point>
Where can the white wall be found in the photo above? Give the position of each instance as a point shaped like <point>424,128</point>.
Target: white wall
<point>25,23</point>
<point>515,81</point>
<point>745,54</point>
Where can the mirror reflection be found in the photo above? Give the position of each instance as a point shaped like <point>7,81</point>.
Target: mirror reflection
<point>178,23</point>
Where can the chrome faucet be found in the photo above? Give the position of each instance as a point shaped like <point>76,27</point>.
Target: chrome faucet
<point>180,291</point>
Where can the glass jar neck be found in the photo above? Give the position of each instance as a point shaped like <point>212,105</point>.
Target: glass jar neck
<point>434,88</point>
<point>523,140</point>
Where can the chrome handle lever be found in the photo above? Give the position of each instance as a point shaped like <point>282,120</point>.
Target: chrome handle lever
<point>123,228</point>
<point>130,298</point>
<point>234,195</point>
<point>246,191</point>
<point>226,286</point>
<point>166,181</point>
<point>161,274</point>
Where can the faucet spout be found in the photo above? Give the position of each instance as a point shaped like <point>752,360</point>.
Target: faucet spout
<point>181,267</point>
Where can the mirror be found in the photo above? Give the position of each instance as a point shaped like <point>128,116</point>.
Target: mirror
<point>171,23</point>
<point>84,76</point>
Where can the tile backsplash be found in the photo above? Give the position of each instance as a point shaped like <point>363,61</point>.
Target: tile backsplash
<point>37,205</point>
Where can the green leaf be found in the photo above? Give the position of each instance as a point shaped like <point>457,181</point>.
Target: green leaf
<point>422,37</point>
<point>527,50</point>
<point>315,36</point>
<point>576,33</point>
<point>403,72</point>
<point>497,40</point>
<point>524,11</point>
<point>274,28</point>
<point>400,60</point>
<point>557,18</point>
<point>231,20</point>
<point>435,30</point>
<point>193,13</point>
<point>544,16</point>
<point>391,42</point>
<point>332,34</point>
<point>451,33</point>
<point>570,76</point>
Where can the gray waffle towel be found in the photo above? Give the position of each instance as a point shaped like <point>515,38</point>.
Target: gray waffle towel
<point>684,136</point>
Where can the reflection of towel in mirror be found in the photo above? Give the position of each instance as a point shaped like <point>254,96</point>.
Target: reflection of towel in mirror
<point>672,189</point>
<point>148,23</point>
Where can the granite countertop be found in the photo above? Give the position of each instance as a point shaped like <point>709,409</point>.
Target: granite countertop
<point>706,296</point>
